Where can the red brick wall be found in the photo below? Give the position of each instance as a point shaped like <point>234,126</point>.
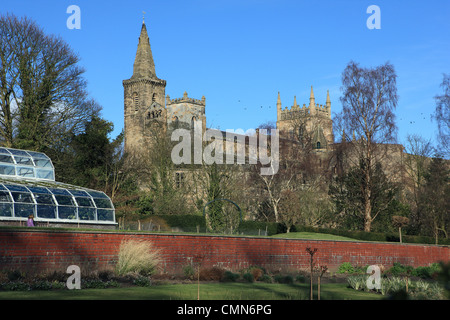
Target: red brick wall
<point>38,250</point>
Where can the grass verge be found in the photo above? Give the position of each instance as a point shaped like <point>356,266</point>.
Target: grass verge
<point>312,236</point>
<point>208,291</point>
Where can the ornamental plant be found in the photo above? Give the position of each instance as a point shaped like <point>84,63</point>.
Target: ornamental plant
<point>139,257</point>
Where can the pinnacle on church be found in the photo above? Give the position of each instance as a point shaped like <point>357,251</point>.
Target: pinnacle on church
<point>311,98</point>
<point>144,67</point>
<point>328,103</point>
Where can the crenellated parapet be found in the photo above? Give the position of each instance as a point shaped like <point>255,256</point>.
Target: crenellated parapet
<point>185,98</point>
<point>295,111</point>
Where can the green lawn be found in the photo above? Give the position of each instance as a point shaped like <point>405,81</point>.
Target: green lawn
<point>312,236</point>
<point>208,291</point>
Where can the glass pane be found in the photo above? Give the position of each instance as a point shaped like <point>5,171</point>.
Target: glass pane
<point>84,202</point>
<point>67,212</point>
<point>6,158</point>
<point>59,191</point>
<point>7,170</point>
<point>105,215</point>
<point>25,172</point>
<point>23,160</point>
<point>6,209</point>
<point>43,198</point>
<point>44,174</point>
<point>39,190</point>
<point>79,193</point>
<point>22,197</point>
<point>97,194</point>
<point>23,210</point>
<point>15,187</point>
<point>18,152</point>
<point>37,155</point>
<point>46,211</point>
<point>64,200</point>
<point>4,151</point>
<point>5,197</point>
<point>103,203</point>
<point>86,213</point>
<point>43,163</point>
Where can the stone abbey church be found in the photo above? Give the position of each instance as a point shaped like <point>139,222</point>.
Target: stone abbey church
<point>146,106</point>
<point>305,136</point>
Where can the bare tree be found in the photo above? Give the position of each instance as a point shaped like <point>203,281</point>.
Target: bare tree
<point>418,153</point>
<point>42,92</point>
<point>368,101</point>
<point>442,115</point>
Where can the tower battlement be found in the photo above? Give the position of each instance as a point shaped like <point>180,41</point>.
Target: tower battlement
<point>295,111</point>
<point>185,98</point>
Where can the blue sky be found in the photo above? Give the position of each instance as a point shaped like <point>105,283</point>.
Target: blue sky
<point>240,53</point>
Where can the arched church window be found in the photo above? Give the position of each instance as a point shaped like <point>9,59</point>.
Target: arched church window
<point>318,145</point>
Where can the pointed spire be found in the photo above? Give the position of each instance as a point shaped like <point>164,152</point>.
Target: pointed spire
<point>278,107</point>
<point>144,67</point>
<point>328,99</point>
<point>312,100</point>
<point>295,102</point>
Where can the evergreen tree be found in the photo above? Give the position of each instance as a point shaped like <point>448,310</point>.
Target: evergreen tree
<point>347,193</point>
<point>434,201</point>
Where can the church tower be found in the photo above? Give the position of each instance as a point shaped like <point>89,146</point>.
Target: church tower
<point>311,122</point>
<point>144,98</point>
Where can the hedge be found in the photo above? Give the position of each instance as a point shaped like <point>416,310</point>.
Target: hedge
<point>196,222</point>
<point>185,222</point>
<point>372,236</point>
<point>260,228</point>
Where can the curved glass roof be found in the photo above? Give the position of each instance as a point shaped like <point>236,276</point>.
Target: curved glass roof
<point>25,164</point>
<point>54,203</point>
<point>28,187</point>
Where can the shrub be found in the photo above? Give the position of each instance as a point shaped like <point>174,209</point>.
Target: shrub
<point>266,278</point>
<point>256,273</point>
<point>15,286</point>
<point>189,271</point>
<point>41,285</point>
<point>284,279</point>
<point>229,276</point>
<point>211,274</point>
<point>14,275</point>
<point>137,256</point>
<point>300,278</point>
<point>427,272</point>
<point>142,281</point>
<point>398,269</point>
<point>346,267</point>
<point>248,277</point>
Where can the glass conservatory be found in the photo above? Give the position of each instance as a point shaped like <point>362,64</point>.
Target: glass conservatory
<point>28,187</point>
